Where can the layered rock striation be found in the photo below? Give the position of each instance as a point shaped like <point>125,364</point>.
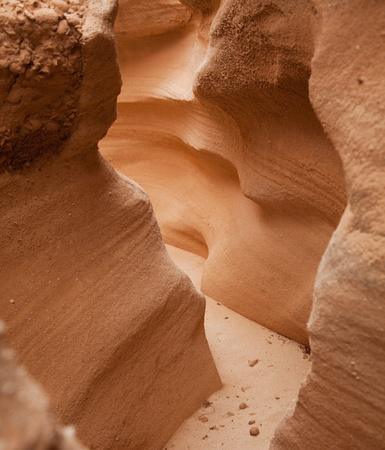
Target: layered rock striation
<point>95,309</point>
<point>216,124</point>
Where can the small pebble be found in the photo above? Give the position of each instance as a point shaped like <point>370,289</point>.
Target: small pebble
<point>72,19</point>
<point>63,27</point>
<point>251,422</point>
<point>254,431</point>
<point>46,15</point>
<point>243,405</point>
<point>253,362</point>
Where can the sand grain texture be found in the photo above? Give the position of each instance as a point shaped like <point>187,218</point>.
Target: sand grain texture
<point>95,308</point>
<point>342,402</point>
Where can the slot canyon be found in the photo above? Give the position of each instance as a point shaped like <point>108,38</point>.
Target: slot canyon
<point>192,216</point>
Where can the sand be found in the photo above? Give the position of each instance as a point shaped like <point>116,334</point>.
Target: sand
<point>268,388</point>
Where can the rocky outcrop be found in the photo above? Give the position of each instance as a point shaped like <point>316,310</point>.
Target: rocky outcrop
<point>150,18</point>
<point>231,152</point>
<point>341,405</point>
<point>95,308</point>
<point>26,419</point>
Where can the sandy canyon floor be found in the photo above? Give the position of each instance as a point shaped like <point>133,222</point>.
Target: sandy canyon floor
<point>261,373</point>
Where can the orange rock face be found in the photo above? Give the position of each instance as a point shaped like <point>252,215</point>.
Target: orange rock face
<point>250,126</point>
<point>95,308</point>
<point>257,129</point>
<point>342,402</point>
<point>215,122</point>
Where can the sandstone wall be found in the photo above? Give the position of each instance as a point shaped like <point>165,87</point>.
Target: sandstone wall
<point>246,125</point>
<point>95,308</point>
<point>341,405</point>
<point>215,122</point>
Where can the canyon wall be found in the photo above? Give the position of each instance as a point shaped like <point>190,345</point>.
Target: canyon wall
<point>215,122</point>
<point>341,405</point>
<point>96,310</point>
<point>251,124</point>
<point>246,125</point>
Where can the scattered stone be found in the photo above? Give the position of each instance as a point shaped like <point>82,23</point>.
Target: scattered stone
<point>244,389</point>
<point>29,15</point>
<point>12,301</point>
<point>46,15</point>
<point>243,405</point>
<point>203,418</point>
<point>16,68</point>
<point>253,362</point>
<point>254,431</point>
<point>72,19</point>
<point>251,422</point>
<point>63,27</point>
<point>206,404</point>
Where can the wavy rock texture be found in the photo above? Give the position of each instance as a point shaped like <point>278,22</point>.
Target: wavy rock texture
<point>95,308</point>
<point>26,419</point>
<point>215,122</point>
<point>341,406</point>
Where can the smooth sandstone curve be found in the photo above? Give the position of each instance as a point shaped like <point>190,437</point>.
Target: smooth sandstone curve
<point>231,152</point>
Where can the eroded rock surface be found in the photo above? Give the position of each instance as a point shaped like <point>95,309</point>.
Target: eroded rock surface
<point>215,122</point>
<point>95,308</point>
<point>341,405</point>
<point>247,164</point>
<point>40,77</point>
